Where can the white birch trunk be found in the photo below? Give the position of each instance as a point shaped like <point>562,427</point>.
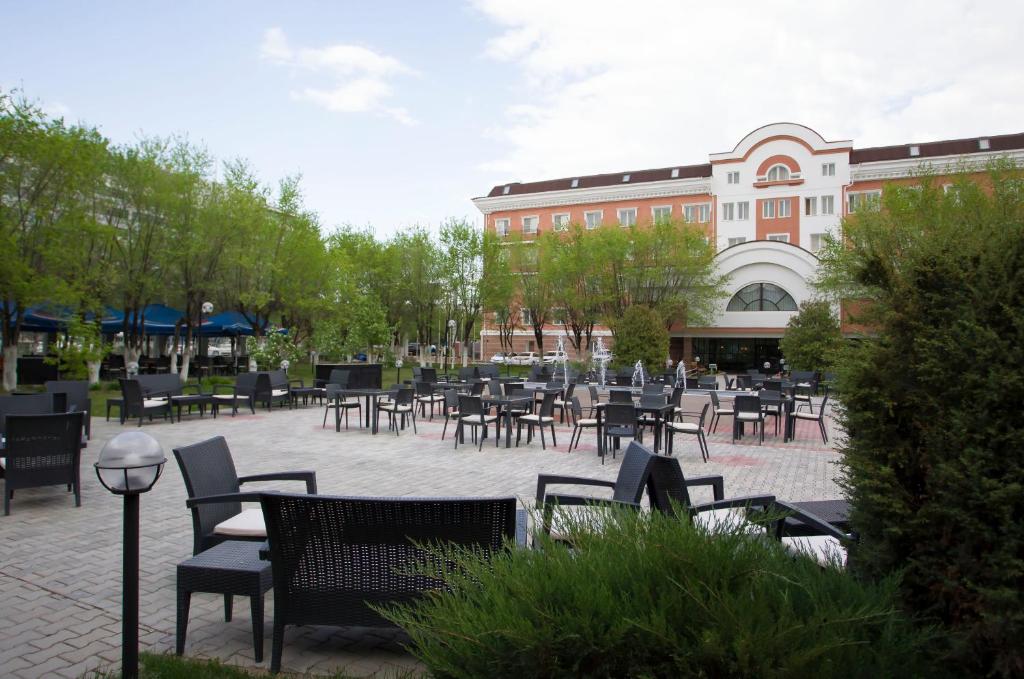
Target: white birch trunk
<point>11,368</point>
<point>94,371</point>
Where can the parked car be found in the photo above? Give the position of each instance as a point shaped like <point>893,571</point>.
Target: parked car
<point>605,356</point>
<point>525,358</point>
<point>554,357</point>
<point>499,357</point>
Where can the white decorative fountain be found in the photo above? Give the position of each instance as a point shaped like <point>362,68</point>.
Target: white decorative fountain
<point>681,375</point>
<point>601,358</point>
<point>564,358</point>
<point>638,374</point>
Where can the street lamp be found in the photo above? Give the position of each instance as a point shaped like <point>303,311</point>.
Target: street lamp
<point>204,311</point>
<point>398,367</point>
<point>130,465</point>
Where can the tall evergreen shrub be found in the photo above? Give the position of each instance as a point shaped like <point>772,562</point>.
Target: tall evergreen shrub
<point>813,339</point>
<point>934,462</point>
<point>640,335</point>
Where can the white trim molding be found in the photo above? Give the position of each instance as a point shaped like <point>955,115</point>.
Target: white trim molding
<point>601,194</point>
<point>911,167</point>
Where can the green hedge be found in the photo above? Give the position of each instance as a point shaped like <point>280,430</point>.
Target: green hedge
<point>650,596</point>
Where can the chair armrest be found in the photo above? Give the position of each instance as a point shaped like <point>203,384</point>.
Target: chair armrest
<point>303,475</point>
<point>735,503</point>
<point>197,387</point>
<point>717,484</point>
<point>544,479</point>
<point>226,497</point>
<point>299,380</point>
<point>790,511</point>
<point>227,387</point>
<point>576,500</point>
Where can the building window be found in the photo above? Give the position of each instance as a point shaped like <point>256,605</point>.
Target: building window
<point>768,209</point>
<point>828,169</point>
<point>560,221</point>
<point>817,240</point>
<point>761,297</point>
<point>525,318</point>
<point>593,218</point>
<point>743,211</point>
<point>663,214</point>
<point>780,237</point>
<point>784,208</point>
<point>575,183</point>
<point>530,224</point>
<point>828,205</point>
<point>727,211</point>
<point>737,240</point>
<point>704,213</point>
<point>733,177</point>
<point>810,206</point>
<point>501,227</point>
<point>777,173</point>
<point>627,216</point>
<point>864,199</point>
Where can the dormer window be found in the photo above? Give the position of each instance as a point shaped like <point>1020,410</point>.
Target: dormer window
<point>675,173</point>
<point>777,173</point>
<point>625,178</point>
<point>915,150</point>
<point>505,191</point>
<point>983,145</point>
<point>575,183</point>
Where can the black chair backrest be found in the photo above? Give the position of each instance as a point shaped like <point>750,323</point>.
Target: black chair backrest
<point>703,414</point>
<point>677,397</point>
<point>744,382</point>
<point>575,407</point>
<point>25,404</point>
<point>477,388</point>
<point>423,389</point>
<point>634,473</point>
<point>653,388</point>
<point>513,387</point>
<point>653,400</point>
<point>569,391</point>
<point>75,391</point>
<point>208,469</point>
<point>772,385</point>
<point>666,485</point>
<point>547,406</point>
<point>620,415</point>
<point>42,449</point>
<point>746,403</point>
<point>335,557</point>
<point>468,373</point>
<point>470,405</point>
<point>451,399</point>
<point>594,396</point>
<point>707,382</point>
<point>333,391</point>
<point>339,377</point>
<point>429,374</point>
<point>620,396</point>
<point>404,396</point>
<point>770,398</point>
<point>131,392</point>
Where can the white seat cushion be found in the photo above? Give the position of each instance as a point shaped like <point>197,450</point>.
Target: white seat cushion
<point>227,397</point>
<point>748,416</point>
<point>249,524</point>
<point>476,418</point>
<point>725,521</point>
<point>685,427</point>
<point>537,419</point>
<point>587,422</point>
<point>278,392</point>
<point>804,415</point>
<point>395,408</point>
<point>3,462</point>
<point>824,549</point>
<point>724,411</point>
<point>154,402</point>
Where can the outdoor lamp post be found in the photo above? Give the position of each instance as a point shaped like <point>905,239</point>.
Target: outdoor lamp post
<point>204,311</point>
<point>398,367</point>
<point>130,465</point>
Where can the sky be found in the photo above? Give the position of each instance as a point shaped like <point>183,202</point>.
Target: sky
<point>396,114</point>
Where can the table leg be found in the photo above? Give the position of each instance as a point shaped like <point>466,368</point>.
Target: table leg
<point>600,435</point>
<point>508,426</point>
<point>337,413</point>
<point>657,432</point>
<point>368,407</point>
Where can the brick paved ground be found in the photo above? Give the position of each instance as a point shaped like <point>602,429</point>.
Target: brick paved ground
<point>60,566</point>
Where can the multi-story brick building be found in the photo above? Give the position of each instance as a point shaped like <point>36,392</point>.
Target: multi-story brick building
<point>766,205</point>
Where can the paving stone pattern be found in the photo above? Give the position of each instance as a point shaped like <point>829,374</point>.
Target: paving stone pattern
<point>60,565</point>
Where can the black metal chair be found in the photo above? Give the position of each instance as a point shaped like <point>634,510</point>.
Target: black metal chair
<point>818,417</point>
<point>653,389</point>
<point>579,422</point>
<point>748,411</point>
<point>709,382</point>
<point>450,409</point>
<point>241,392</point>
<point>26,404</point>
<point>135,404</point>
<point>772,405</point>
<point>690,428</point>
<point>335,558</point>
<point>619,421</point>
<point>620,396</point>
<point>627,489</point>
<point>562,402</point>
<point>399,409</point>
<point>42,450</point>
<point>543,418</point>
<point>215,497</point>
<point>473,414</point>
<point>718,411</point>
<point>425,396</point>
<point>77,398</point>
<point>335,400</point>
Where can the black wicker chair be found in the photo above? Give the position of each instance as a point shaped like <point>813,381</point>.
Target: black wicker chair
<point>544,418</point>
<point>335,400</point>
<point>214,491</point>
<point>42,450</point>
<point>272,388</point>
<point>689,428</point>
<point>242,392</point>
<point>25,404</point>
<point>77,393</point>
<point>135,403</point>
<point>627,489</point>
<point>335,557</point>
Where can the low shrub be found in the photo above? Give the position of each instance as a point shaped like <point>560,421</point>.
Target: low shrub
<point>651,596</point>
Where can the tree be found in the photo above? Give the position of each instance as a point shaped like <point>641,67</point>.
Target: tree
<point>813,338</point>
<point>43,163</point>
<point>933,461</point>
<point>498,289</point>
<point>534,286</point>
<point>463,245</point>
<point>640,335</point>
<point>570,268</point>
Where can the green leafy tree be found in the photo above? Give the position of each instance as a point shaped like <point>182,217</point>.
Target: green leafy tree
<point>813,338</point>
<point>498,289</point>
<point>572,261</point>
<point>934,457</point>
<point>640,335</point>
<point>463,246</point>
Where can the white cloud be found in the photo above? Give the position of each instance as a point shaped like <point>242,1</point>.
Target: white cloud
<point>359,76</point>
<point>608,86</point>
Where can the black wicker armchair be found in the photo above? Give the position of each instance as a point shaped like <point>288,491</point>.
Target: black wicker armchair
<point>136,404</point>
<point>333,557</point>
<point>77,398</point>
<point>215,497</point>
<point>42,450</point>
<point>241,392</point>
